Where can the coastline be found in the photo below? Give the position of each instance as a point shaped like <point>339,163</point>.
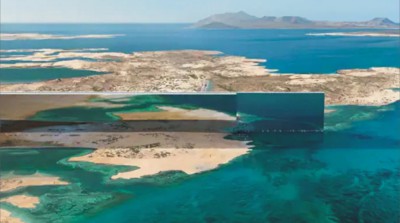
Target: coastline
<point>172,113</point>
<point>369,87</point>
<point>7,217</point>
<point>141,72</point>
<point>151,162</point>
<point>14,182</point>
<point>152,152</point>
<point>22,201</point>
<point>356,34</point>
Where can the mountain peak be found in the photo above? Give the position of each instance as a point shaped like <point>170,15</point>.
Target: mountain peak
<point>233,19</point>
<point>381,19</point>
<point>241,15</point>
<point>242,19</point>
<point>381,22</point>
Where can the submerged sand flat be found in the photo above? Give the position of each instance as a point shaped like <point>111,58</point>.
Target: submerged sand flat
<point>171,113</point>
<point>6,217</point>
<point>191,70</point>
<point>9,183</point>
<point>16,107</point>
<point>21,107</point>
<point>38,36</point>
<point>22,201</point>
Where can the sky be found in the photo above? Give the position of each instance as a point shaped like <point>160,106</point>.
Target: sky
<point>186,11</point>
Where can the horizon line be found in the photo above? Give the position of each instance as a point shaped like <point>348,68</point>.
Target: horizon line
<point>193,22</point>
<point>5,23</point>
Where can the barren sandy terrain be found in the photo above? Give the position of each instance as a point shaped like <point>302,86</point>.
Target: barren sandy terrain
<point>9,183</point>
<point>191,70</point>
<point>6,217</point>
<point>22,201</point>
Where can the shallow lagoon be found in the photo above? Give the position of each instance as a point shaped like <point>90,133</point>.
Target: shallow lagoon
<point>349,173</point>
<point>26,75</point>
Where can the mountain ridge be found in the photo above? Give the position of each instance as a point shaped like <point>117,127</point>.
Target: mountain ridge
<point>243,20</point>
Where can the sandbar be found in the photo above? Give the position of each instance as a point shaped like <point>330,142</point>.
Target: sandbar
<point>14,182</point>
<point>22,201</point>
<point>155,161</point>
<point>6,217</point>
<point>151,152</point>
<point>172,113</point>
<point>96,138</point>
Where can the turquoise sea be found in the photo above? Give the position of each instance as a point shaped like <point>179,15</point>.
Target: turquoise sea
<point>348,173</point>
<point>26,75</point>
<point>288,51</point>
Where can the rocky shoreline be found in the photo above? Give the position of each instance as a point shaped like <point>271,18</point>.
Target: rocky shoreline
<point>191,70</point>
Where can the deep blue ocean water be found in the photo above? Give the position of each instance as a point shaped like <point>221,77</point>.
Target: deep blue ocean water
<point>289,51</point>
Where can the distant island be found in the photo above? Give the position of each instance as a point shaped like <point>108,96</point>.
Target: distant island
<point>242,20</point>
